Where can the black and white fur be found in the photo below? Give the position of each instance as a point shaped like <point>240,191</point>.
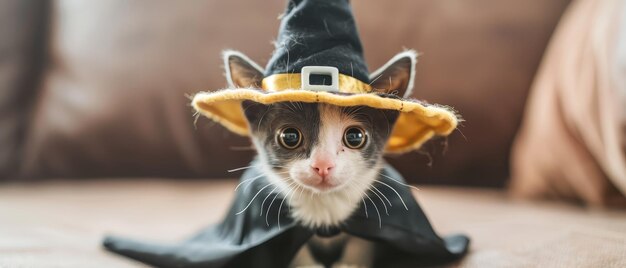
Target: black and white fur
<point>322,125</point>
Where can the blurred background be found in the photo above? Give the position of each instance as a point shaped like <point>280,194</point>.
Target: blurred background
<point>96,94</point>
<point>100,89</point>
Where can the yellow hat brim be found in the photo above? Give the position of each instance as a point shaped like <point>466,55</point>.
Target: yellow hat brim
<point>415,125</point>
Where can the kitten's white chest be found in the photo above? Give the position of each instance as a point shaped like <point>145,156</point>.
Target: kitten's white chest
<point>327,209</point>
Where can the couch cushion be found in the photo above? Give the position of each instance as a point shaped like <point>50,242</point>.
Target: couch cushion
<point>61,223</point>
<point>573,141</point>
<point>22,44</point>
<point>113,103</point>
<point>478,57</point>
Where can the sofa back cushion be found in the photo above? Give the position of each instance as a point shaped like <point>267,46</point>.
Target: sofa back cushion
<point>114,99</point>
<point>22,46</point>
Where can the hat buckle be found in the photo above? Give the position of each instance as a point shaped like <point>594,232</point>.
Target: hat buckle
<point>332,72</point>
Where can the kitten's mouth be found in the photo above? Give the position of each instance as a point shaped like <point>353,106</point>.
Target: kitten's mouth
<point>320,185</point>
<point>325,186</point>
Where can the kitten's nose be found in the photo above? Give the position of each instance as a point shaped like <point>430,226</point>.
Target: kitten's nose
<point>322,167</point>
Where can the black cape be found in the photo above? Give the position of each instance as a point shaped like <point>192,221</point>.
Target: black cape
<point>405,237</point>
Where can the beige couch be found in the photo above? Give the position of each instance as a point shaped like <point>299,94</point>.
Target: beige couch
<point>61,223</point>
<point>96,135</point>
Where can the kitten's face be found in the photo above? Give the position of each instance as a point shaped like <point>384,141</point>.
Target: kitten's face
<point>323,157</point>
<point>320,147</point>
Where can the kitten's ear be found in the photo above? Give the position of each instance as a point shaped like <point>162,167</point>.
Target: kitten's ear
<point>253,111</point>
<point>397,75</point>
<point>241,71</point>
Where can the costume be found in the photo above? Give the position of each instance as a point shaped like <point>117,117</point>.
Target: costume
<point>318,59</point>
<point>247,240</point>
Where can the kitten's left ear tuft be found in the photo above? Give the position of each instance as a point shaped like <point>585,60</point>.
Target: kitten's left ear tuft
<point>241,71</point>
<point>397,75</point>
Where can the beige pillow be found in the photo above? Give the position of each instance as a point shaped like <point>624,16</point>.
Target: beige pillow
<point>572,143</point>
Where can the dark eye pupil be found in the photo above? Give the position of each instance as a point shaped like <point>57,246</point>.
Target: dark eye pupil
<point>290,137</point>
<point>354,137</point>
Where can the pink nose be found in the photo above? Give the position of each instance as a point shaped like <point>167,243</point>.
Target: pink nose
<point>322,167</point>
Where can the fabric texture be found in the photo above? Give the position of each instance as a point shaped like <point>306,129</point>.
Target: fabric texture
<point>247,239</point>
<point>319,32</point>
<point>573,141</point>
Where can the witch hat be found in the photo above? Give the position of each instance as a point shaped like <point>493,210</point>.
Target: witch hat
<point>319,59</point>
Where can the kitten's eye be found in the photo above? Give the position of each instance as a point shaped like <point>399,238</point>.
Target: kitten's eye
<point>290,137</point>
<point>354,137</point>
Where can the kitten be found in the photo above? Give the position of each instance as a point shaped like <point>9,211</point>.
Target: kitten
<point>324,157</point>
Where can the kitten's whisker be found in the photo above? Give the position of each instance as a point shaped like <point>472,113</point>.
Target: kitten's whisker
<point>352,186</point>
<point>399,182</point>
<point>281,206</point>
<point>268,209</point>
<point>257,194</point>
<point>381,200</point>
<point>248,180</point>
<point>380,221</point>
<point>291,197</point>
<point>394,190</point>
<point>301,191</point>
<point>271,203</point>
<point>381,193</point>
<point>251,166</point>
<point>268,195</point>
<point>365,207</point>
<point>270,166</point>
<point>240,168</point>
